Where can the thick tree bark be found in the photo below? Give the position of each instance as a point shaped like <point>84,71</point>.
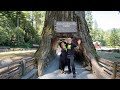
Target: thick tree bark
<point>46,48</point>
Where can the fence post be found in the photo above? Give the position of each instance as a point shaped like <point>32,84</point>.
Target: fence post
<point>23,67</point>
<point>36,63</point>
<point>114,70</point>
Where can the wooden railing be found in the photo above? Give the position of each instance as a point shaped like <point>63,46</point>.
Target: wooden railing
<point>110,50</point>
<point>110,68</point>
<point>27,69</point>
<point>118,71</point>
<point>24,69</point>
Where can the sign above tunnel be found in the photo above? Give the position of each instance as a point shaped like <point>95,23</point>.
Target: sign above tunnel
<point>65,27</point>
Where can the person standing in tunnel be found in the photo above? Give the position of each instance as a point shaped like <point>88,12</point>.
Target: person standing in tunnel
<point>63,56</point>
<point>70,55</point>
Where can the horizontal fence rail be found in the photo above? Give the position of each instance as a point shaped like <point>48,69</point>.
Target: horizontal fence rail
<point>110,68</point>
<point>19,69</point>
<point>27,69</point>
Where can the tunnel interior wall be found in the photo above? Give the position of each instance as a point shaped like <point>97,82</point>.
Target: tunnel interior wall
<point>79,56</point>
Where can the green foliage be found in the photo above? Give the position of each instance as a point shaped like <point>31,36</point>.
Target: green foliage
<point>19,36</point>
<point>107,38</point>
<point>89,17</point>
<point>114,38</point>
<point>21,28</point>
<point>27,45</point>
<point>3,36</point>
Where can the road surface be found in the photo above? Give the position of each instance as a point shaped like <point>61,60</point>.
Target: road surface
<point>52,72</point>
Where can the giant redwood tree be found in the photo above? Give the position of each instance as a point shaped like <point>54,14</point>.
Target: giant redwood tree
<point>47,46</point>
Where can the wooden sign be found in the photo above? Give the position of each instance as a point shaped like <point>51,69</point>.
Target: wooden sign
<point>65,27</point>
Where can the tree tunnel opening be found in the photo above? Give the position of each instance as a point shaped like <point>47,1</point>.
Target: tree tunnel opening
<point>63,30</point>
<point>79,56</point>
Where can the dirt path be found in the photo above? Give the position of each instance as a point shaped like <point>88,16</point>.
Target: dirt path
<point>52,72</point>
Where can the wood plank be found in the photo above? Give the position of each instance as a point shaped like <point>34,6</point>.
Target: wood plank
<point>11,65</point>
<point>118,65</point>
<point>117,77</point>
<point>114,70</point>
<point>3,69</point>
<point>102,62</point>
<point>17,62</point>
<point>30,74</point>
<point>118,62</point>
<point>107,75</point>
<point>28,60</point>
<point>100,74</point>
<point>8,70</point>
<point>107,67</point>
<point>118,74</point>
<point>29,69</point>
<point>14,68</point>
<point>30,65</point>
<point>11,74</point>
<point>3,75</point>
<point>118,68</point>
<point>16,76</point>
<point>27,63</point>
<point>23,64</point>
<point>105,61</point>
<point>108,71</point>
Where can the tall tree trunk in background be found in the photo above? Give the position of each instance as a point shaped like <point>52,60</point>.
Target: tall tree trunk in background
<point>17,18</point>
<point>45,48</point>
<point>32,19</point>
<point>17,24</point>
<point>32,23</point>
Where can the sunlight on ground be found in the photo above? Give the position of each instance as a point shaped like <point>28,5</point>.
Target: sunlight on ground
<point>15,55</point>
<point>15,52</point>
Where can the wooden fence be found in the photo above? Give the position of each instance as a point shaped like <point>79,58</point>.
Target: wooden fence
<point>110,68</point>
<point>27,69</point>
<point>22,69</point>
<point>110,50</point>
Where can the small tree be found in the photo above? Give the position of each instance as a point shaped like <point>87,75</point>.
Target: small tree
<point>114,38</point>
<point>20,36</point>
<point>3,36</point>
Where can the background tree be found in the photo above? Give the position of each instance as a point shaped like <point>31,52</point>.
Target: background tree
<point>14,22</point>
<point>89,19</point>
<point>114,38</point>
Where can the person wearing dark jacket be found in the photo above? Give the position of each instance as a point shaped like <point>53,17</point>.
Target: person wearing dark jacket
<point>70,55</point>
<point>63,57</point>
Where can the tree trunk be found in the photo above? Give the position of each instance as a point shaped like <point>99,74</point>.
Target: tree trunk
<point>17,18</point>
<point>45,47</point>
<point>17,24</point>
